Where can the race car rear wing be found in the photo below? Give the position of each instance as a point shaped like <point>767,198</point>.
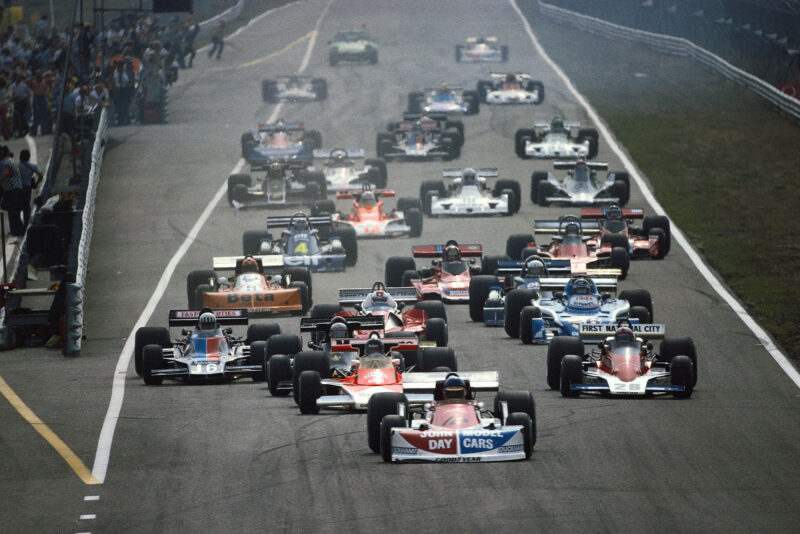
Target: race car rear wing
<point>289,127</point>
<point>557,283</point>
<point>519,76</point>
<point>415,116</point>
<point>594,165</point>
<point>551,226</point>
<point>601,331</point>
<point>349,297</point>
<point>435,251</point>
<point>473,40</point>
<point>283,221</point>
<point>546,124</point>
<point>266,262</point>
<point>564,265</point>
<point>224,317</point>
<point>350,153</point>
<point>366,322</point>
<point>514,267</point>
<point>600,213</point>
<point>479,381</point>
<point>488,172</point>
<point>357,194</point>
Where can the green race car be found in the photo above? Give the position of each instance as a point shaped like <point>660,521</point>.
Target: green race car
<point>353,45</point>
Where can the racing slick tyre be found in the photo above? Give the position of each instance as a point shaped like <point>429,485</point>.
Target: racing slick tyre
<point>513,200</point>
<point>640,313</point>
<point>324,311</point>
<point>544,191</point>
<point>199,295</point>
<point>386,148</point>
<point>373,57</point>
<point>620,260</point>
<point>414,221</point>
<point>379,164</point>
<point>490,264</point>
<point>638,297</point>
<point>449,149</point>
<point>251,241</point>
<point>621,191</point>
<point>623,177</point>
<point>323,207</point>
<point>457,125</point>
<point>516,243</point>
<point>682,371</point>
<point>312,138</point>
<point>279,369</point>
<point>405,204</point>
<point>379,406</point>
<point>436,330</point>
<point>288,344</point>
<point>483,87</point>
<point>309,361</point>
<point>262,332</point>
<point>661,237</point>
<point>539,88</point>
<point>310,386</point>
<point>375,178</point>
<point>415,99</point>
<point>559,347</point>
<point>240,194</point>
<point>333,58</point>
<point>516,299</point>
<point>311,179</point>
<point>504,53</point>
<point>459,51</point>
<point>526,317</point>
<point>152,359</point>
<point>527,252</point>
<point>349,241</point>
<point>455,136</point>
<point>589,134</point>
<point>479,288</point>
<point>571,374</point>
<point>434,308</point>
<point>258,356</point>
<point>658,221</point>
<point>305,297</point>
<point>248,143</point>
<point>194,279</point>
<point>320,88</point>
<point>383,144</point>
<point>514,186</point>
<point>387,424</point>
<point>520,138</point>
<point>300,274</point>
<point>679,346</point>
<point>536,178</point>
<point>148,335</point>
<point>407,277</point>
<point>430,186</point>
<point>615,240</point>
<point>432,357</point>
<point>269,91</point>
<point>441,369</point>
<point>517,402</point>
<point>474,101</point>
<point>528,430</point>
<point>235,180</point>
<point>395,267</point>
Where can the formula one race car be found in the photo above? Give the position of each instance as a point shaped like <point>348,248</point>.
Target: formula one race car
<point>285,290</point>
<point>352,45</point>
<point>468,194</point>
<point>420,136</point>
<point>284,184</point>
<point>555,139</point>
<point>280,141</point>
<point>206,352</point>
<point>444,99</point>
<point>624,362</point>
<point>448,277</point>
<point>342,174</point>
<point>368,217</point>
<point>569,252</point>
<point>294,88</point>
<point>510,88</point>
<point>615,228</point>
<point>313,242</point>
<point>442,421</point>
<point>580,186</point>
<point>481,49</point>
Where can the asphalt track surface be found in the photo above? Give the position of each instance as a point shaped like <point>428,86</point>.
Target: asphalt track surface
<point>229,458</point>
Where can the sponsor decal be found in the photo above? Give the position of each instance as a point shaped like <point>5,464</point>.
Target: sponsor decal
<point>404,450</point>
<point>510,449</point>
<point>584,301</point>
<point>593,328</point>
<point>234,298</point>
<point>476,441</point>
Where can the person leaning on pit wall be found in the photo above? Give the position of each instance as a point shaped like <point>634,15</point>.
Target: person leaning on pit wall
<point>11,184</point>
<point>31,175</point>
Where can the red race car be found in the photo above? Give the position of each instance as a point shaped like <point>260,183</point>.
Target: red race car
<point>448,277</point>
<point>571,251</point>
<point>652,240</point>
<point>369,218</point>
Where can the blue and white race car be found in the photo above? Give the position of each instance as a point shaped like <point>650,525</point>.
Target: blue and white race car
<point>444,99</point>
<point>280,141</point>
<point>312,242</point>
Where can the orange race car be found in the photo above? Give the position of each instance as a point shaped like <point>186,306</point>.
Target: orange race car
<point>369,218</point>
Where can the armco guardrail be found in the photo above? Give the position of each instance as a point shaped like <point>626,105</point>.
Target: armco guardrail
<point>73,324</point>
<point>678,46</point>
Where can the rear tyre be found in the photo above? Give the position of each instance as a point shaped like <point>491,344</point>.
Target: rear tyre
<point>288,344</point>
<point>432,357</point>
<point>408,276</point>
<point>262,332</point>
<point>414,221</point>
<point>620,260</point>
<point>379,406</point>
<point>661,236</point>
<point>521,138</point>
<point>559,347</point>
<point>514,186</point>
<point>395,267</point>
<point>235,180</point>
<point>516,299</point>
<point>194,279</point>
<point>536,178</point>
<point>252,240</point>
<point>300,274</point>
<point>658,221</point>
<point>199,295</point>
<point>615,240</point>
<point>350,244</point>
<point>279,369</point>
<point>323,207</point>
<point>517,402</point>
<point>639,313</point>
<point>638,298</point>
<point>324,311</point>
<point>305,297</point>
<point>571,374</point>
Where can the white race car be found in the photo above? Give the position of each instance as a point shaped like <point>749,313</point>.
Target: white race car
<point>294,88</point>
<point>481,49</point>
<point>468,194</point>
<point>341,173</point>
<point>581,186</point>
<point>519,88</point>
<point>554,139</point>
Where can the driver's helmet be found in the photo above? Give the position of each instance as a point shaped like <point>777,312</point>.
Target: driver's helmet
<point>580,286</point>
<point>451,253</point>
<point>469,176</point>
<point>535,267</point>
<point>300,223</point>
<point>443,88</point>
<point>368,199</point>
<point>380,298</point>
<point>339,156</point>
<point>454,388</point>
<point>557,123</point>
<point>207,321</point>
<point>509,78</point>
<point>249,265</point>
<point>614,213</point>
<point>572,229</point>
<point>581,163</point>
<point>624,334</point>
<point>274,170</point>
<point>338,328</point>
<point>374,345</point>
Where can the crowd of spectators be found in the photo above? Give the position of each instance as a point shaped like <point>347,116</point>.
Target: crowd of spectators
<point>112,66</point>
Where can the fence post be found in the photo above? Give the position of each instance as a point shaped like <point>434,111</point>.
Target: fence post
<point>73,319</point>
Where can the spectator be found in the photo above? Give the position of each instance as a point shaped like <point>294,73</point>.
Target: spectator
<point>40,87</point>
<point>11,184</point>
<point>219,44</point>
<point>20,93</point>
<point>31,175</point>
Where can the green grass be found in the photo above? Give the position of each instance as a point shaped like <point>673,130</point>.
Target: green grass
<point>723,163</point>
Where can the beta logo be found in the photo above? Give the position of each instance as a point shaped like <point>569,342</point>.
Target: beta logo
<point>234,298</point>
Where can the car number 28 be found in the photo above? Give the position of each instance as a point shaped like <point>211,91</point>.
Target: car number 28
<point>627,386</point>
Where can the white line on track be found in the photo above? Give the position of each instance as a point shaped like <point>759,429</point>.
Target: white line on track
<point>704,270</point>
<point>100,467</point>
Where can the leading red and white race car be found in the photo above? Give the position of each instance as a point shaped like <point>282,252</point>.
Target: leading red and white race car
<point>369,218</point>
